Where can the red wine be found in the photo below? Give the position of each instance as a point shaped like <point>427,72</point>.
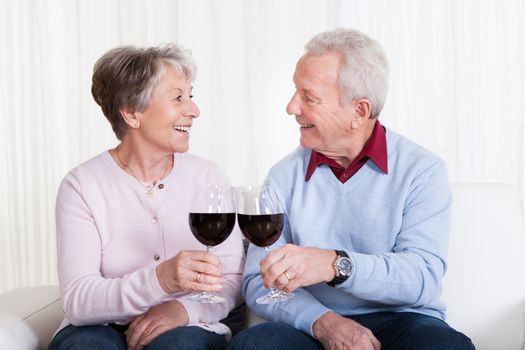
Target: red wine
<point>211,229</point>
<point>261,230</point>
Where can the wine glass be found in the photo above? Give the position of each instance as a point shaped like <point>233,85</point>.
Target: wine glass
<point>261,220</point>
<point>211,220</point>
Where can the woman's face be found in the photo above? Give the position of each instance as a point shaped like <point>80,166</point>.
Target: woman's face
<point>166,123</point>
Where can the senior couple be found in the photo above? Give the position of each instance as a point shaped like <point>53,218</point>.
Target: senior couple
<point>366,218</point>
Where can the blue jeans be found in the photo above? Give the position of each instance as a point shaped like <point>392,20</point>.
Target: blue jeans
<point>113,338</point>
<point>395,331</point>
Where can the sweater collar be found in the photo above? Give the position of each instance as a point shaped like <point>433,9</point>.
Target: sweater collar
<point>375,149</point>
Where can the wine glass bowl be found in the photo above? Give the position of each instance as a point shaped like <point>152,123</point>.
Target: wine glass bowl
<point>261,220</point>
<point>211,229</point>
<point>261,230</point>
<point>211,220</point>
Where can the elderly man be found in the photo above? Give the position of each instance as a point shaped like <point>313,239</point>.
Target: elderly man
<point>367,218</point>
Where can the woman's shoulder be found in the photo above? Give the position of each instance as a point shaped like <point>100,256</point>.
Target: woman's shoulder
<point>91,167</point>
<point>197,168</point>
<point>89,174</point>
<point>195,161</point>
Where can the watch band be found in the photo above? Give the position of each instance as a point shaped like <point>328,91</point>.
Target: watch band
<point>338,279</point>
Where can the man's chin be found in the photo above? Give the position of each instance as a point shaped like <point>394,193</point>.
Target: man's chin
<point>306,143</point>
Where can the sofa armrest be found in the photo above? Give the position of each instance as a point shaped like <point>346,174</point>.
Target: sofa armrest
<point>29,316</point>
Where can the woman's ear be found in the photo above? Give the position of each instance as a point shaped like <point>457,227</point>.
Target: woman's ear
<point>131,118</point>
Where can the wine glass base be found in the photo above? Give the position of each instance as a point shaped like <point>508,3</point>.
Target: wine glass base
<point>274,297</point>
<point>207,298</point>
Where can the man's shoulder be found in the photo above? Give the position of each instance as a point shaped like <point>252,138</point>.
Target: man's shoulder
<point>402,149</point>
<point>295,161</point>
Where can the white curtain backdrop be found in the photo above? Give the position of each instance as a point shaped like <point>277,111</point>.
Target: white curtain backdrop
<point>457,87</point>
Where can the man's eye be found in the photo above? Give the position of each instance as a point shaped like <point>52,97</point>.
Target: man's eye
<point>179,98</point>
<point>191,96</point>
<point>310,100</point>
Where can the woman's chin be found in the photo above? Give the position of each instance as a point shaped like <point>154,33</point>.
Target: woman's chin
<point>180,148</point>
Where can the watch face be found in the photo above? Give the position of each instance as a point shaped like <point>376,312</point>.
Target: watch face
<point>345,266</point>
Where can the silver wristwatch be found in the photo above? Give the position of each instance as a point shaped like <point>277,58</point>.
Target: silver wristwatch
<point>343,268</point>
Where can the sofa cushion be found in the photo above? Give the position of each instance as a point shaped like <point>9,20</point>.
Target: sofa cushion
<point>26,315</point>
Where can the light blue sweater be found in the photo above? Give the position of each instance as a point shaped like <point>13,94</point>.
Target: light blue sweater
<point>394,227</point>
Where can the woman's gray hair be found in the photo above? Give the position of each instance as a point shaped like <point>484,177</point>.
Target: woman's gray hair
<point>364,72</point>
<point>124,78</point>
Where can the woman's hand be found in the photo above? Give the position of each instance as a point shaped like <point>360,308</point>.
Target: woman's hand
<point>190,271</point>
<point>157,320</point>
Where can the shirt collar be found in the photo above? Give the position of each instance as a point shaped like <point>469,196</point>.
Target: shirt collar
<point>375,149</point>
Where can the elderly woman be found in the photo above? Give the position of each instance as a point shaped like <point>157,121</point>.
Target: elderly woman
<point>127,259</point>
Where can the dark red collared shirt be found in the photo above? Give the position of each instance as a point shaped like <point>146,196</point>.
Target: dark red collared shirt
<point>375,149</point>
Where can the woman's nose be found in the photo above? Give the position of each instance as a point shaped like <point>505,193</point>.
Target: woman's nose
<point>193,110</point>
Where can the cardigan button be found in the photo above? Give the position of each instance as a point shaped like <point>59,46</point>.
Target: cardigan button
<point>156,257</point>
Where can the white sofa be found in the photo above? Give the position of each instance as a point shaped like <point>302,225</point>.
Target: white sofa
<point>484,287</point>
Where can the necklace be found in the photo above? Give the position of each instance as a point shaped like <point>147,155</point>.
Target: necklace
<point>148,186</point>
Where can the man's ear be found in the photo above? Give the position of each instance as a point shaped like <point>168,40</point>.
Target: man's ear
<point>362,110</point>
<point>131,118</point>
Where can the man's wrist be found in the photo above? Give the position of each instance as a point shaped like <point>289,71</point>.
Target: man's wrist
<point>343,267</point>
<point>318,328</point>
<point>331,271</point>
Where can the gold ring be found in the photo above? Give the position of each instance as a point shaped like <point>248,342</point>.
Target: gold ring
<point>198,277</point>
<point>288,276</point>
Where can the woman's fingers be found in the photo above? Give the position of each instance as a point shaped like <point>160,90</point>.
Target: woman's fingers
<point>191,271</point>
<point>205,268</point>
<point>152,333</point>
<point>203,256</point>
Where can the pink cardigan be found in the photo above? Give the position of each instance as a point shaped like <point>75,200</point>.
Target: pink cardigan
<point>111,236</point>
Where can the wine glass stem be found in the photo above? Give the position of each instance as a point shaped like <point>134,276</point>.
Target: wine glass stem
<point>206,295</point>
<point>273,291</point>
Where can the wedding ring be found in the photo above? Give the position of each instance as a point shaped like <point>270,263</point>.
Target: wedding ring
<point>288,276</point>
<point>198,278</point>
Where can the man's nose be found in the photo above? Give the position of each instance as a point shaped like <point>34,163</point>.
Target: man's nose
<point>293,107</point>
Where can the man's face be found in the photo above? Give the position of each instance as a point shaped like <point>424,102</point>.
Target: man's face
<point>324,123</point>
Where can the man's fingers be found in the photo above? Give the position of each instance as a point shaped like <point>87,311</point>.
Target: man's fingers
<point>275,273</point>
<point>273,257</point>
<point>376,343</point>
<point>293,285</point>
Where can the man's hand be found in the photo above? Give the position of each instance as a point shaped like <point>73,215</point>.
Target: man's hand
<point>338,333</point>
<point>191,271</point>
<point>291,267</point>
<point>157,320</point>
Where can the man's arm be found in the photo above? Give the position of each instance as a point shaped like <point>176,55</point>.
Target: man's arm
<point>301,311</point>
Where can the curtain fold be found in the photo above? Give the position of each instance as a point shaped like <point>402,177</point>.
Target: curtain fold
<point>457,87</point>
